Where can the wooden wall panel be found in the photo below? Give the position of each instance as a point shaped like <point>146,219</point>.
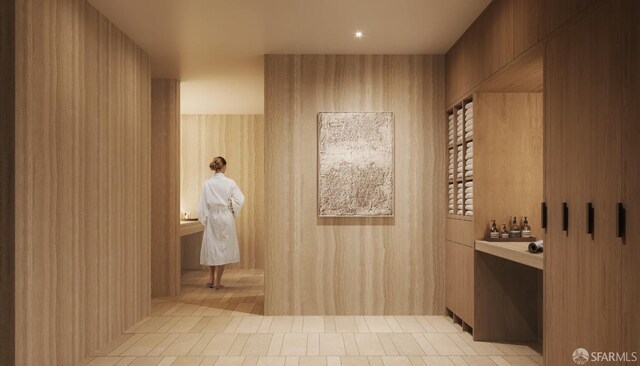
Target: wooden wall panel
<point>82,182</point>
<point>240,139</point>
<point>7,179</point>
<point>528,24</point>
<point>508,159</point>
<point>631,174</point>
<point>558,12</point>
<point>354,265</point>
<point>165,188</point>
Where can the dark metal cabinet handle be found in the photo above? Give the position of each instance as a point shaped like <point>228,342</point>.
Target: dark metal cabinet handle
<point>544,215</point>
<point>622,220</point>
<point>590,218</point>
<point>565,216</point>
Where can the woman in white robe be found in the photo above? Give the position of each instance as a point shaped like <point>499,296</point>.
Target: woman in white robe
<point>220,203</point>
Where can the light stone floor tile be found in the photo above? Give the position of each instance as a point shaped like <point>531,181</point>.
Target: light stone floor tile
<point>443,344</point>
<point>437,361</point>
<point>229,361</point>
<point>354,361</point>
<point>225,328</point>
<point>257,345</point>
<point>409,324</point>
<point>312,361</point>
<point>345,324</point>
<point>271,361</point>
<point>292,361</point>
<point>187,361</point>
<point>313,324</point>
<point>313,344</point>
<point>276,344</point>
<point>395,361</point>
<point>294,344</point>
<point>478,361</point>
<point>238,345</point>
<point>332,344</point>
<point>377,324</point>
<point>182,345</point>
<point>406,344</point>
<point>369,344</point>
<point>387,345</point>
<point>146,361</point>
<point>350,345</point>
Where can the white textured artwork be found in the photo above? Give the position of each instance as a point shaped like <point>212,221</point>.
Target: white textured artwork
<point>355,164</point>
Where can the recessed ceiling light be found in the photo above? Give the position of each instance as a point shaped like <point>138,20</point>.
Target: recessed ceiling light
<point>358,34</point>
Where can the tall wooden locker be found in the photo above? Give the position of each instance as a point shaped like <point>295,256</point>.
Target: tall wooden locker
<point>631,175</point>
<point>583,135</point>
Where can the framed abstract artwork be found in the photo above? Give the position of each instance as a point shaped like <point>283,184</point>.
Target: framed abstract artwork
<point>356,164</point>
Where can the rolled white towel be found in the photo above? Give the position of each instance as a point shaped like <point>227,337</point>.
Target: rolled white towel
<point>467,184</point>
<point>468,201</point>
<point>451,212</point>
<point>468,167</point>
<point>468,135</point>
<point>468,105</point>
<point>468,173</point>
<point>536,246</point>
<point>468,207</point>
<point>459,111</point>
<point>469,114</point>
<point>468,128</point>
<point>470,143</point>
<point>468,213</point>
<point>468,196</point>
<point>459,176</point>
<point>470,161</point>
<point>459,170</point>
<point>468,189</point>
<point>459,212</point>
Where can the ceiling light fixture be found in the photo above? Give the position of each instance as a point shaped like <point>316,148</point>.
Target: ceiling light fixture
<point>358,34</point>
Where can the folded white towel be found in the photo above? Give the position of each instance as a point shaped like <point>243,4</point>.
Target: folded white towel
<point>468,213</point>
<point>469,161</point>
<point>459,170</point>
<point>468,135</point>
<point>468,128</point>
<point>468,190</point>
<point>459,176</point>
<point>468,105</point>
<point>450,117</point>
<point>469,173</point>
<point>468,207</point>
<point>468,196</point>
<point>468,122</point>
<point>459,111</point>
<point>470,144</point>
<point>469,114</point>
<point>467,184</point>
<point>459,212</point>
<point>468,201</point>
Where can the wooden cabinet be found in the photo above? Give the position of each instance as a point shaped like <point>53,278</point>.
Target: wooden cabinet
<point>583,284</point>
<point>557,12</point>
<point>459,280</point>
<point>631,174</point>
<point>504,30</point>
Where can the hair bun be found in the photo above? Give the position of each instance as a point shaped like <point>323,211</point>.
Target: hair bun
<point>218,163</point>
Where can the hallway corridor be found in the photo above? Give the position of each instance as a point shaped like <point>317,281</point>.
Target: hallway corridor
<point>226,328</point>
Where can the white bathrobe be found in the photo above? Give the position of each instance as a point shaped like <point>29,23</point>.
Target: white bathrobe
<point>220,202</point>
